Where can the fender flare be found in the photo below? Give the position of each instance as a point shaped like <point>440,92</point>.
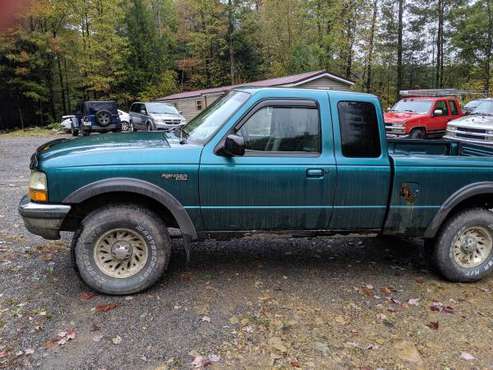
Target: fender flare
<point>129,185</point>
<point>468,191</point>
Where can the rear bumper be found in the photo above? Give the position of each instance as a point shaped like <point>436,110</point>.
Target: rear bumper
<point>44,220</point>
<point>111,127</point>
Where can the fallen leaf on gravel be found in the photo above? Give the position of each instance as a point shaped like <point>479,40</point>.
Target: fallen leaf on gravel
<point>294,363</point>
<point>234,320</point>
<point>3,354</point>
<point>61,338</point>
<point>202,361</point>
<point>387,290</point>
<point>206,318</point>
<point>413,301</point>
<point>106,307</point>
<point>97,338</point>
<point>340,320</point>
<point>467,356</point>
<point>29,351</point>
<point>433,325</point>
<point>407,351</point>
<point>420,280</point>
<point>440,307</point>
<point>276,343</point>
<point>116,340</point>
<point>86,296</point>
<point>366,291</point>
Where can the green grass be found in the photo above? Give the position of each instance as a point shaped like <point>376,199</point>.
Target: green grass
<point>29,132</point>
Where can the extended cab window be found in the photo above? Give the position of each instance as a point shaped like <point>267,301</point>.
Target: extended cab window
<point>453,107</point>
<point>359,129</point>
<point>282,129</point>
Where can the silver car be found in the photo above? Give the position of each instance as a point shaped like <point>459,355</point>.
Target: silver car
<point>154,116</point>
<point>476,127</point>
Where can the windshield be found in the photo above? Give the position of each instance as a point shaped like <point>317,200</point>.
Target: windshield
<point>472,104</point>
<point>161,108</point>
<point>485,107</point>
<point>200,129</point>
<point>412,106</point>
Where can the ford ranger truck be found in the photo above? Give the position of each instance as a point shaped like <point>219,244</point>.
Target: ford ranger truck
<point>421,117</point>
<point>271,160</point>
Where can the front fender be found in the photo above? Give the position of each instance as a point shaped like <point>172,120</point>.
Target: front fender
<point>130,185</point>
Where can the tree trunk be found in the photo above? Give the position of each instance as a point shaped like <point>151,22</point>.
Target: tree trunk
<point>62,85</point>
<point>399,50</point>
<point>489,47</point>
<point>230,39</point>
<point>369,59</point>
<point>439,60</point>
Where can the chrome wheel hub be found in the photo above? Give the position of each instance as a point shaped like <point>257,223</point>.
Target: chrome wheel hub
<point>472,246</point>
<point>121,253</point>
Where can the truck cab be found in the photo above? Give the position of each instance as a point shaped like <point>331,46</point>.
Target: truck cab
<point>274,160</point>
<point>420,117</point>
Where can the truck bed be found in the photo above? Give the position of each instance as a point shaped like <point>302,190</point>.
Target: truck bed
<point>438,147</point>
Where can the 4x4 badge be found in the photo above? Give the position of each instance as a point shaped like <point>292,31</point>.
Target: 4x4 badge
<point>175,176</point>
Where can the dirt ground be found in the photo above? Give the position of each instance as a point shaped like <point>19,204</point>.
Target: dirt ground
<point>246,304</point>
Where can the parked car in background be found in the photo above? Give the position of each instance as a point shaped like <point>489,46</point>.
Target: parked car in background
<point>154,116</point>
<point>68,123</point>
<point>476,127</point>
<point>420,117</point>
<point>124,119</point>
<point>472,105</point>
<point>260,160</point>
<point>97,116</point>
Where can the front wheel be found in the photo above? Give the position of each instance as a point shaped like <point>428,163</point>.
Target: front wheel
<point>125,126</point>
<point>418,133</point>
<point>121,249</point>
<point>464,248</point>
<point>148,126</point>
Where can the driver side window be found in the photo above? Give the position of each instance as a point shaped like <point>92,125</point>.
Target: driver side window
<point>282,129</point>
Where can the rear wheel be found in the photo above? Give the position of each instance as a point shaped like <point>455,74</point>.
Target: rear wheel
<point>121,249</point>
<point>464,248</point>
<point>125,126</point>
<point>418,133</point>
<point>75,132</point>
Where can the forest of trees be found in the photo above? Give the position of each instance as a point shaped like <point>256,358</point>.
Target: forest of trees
<point>63,51</point>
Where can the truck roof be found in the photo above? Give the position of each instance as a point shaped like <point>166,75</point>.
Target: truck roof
<point>297,90</point>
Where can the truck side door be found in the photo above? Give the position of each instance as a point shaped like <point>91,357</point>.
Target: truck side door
<point>363,165</point>
<point>286,178</point>
<point>439,122</point>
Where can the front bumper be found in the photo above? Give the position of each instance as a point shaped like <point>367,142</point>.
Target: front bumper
<point>44,220</point>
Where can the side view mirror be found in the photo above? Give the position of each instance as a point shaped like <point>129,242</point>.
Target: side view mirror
<point>438,112</point>
<point>180,112</point>
<point>142,111</point>
<point>232,146</point>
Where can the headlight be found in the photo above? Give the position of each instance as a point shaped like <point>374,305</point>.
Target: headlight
<point>38,187</point>
<point>398,124</point>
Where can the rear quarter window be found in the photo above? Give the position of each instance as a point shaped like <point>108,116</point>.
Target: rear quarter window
<point>359,129</point>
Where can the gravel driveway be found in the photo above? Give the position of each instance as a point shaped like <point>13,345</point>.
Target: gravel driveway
<point>251,303</point>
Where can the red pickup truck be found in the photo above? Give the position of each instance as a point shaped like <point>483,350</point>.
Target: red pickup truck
<point>420,117</point>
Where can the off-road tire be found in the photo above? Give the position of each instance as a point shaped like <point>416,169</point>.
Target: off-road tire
<point>442,256</point>
<point>418,133</point>
<point>140,220</point>
<point>75,132</point>
<point>103,118</point>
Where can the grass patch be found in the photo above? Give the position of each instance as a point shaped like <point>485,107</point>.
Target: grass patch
<point>30,132</point>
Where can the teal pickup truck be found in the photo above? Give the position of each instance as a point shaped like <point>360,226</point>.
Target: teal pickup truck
<point>260,160</point>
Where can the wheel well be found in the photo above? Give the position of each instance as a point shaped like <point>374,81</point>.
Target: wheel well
<point>477,201</point>
<point>418,128</point>
<point>81,210</point>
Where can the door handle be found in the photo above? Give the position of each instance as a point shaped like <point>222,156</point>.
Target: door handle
<point>315,172</point>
